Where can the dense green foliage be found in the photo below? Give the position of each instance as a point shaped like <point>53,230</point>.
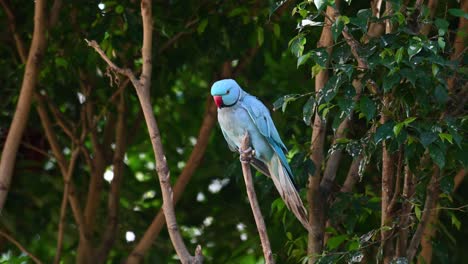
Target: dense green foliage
<point>192,39</point>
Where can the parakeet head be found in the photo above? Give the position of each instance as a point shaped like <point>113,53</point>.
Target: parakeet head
<point>225,92</point>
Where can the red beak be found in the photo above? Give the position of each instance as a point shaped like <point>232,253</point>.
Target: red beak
<point>218,100</point>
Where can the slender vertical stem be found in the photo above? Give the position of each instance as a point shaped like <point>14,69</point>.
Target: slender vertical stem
<point>246,155</point>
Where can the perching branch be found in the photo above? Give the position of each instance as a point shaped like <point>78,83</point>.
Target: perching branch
<point>28,85</point>
<point>20,247</point>
<point>246,157</point>
<point>142,87</point>
<point>193,162</point>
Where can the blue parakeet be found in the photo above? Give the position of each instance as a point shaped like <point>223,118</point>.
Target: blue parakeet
<point>240,112</point>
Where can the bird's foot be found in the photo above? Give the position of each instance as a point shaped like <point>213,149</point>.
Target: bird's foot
<point>246,155</point>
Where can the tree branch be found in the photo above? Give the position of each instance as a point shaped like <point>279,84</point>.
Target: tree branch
<point>246,156</point>
<point>23,107</point>
<point>114,194</point>
<point>142,87</point>
<point>12,24</point>
<point>63,207</point>
<point>20,247</point>
<point>314,195</point>
<point>432,194</point>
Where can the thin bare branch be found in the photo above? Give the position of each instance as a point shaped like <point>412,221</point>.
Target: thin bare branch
<point>114,194</point>
<point>123,71</point>
<point>63,207</point>
<point>19,246</point>
<point>22,52</point>
<point>246,157</point>
<point>23,107</point>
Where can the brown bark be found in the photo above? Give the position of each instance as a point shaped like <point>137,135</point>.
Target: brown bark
<point>314,195</point>
<point>63,166</point>
<point>192,164</point>
<point>432,5</point>
<point>20,118</point>
<point>142,87</point>
<point>246,156</point>
<point>409,185</point>
<point>425,257</point>
<point>432,194</point>
<point>459,44</point>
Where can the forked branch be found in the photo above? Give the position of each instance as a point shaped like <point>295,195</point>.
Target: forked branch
<point>142,87</point>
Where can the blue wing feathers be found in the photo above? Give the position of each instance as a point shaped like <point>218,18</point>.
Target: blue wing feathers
<point>262,119</point>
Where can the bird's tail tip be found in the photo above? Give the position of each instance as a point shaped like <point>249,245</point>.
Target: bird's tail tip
<point>288,192</point>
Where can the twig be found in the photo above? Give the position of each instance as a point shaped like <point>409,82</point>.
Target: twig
<point>123,71</point>
<point>18,245</point>
<point>63,207</point>
<point>246,156</point>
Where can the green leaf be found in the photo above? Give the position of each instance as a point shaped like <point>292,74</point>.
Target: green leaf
<point>119,9</point>
<point>353,245</point>
<point>367,107</point>
<point>442,25</point>
<point>303,59</point>
<point>441,42</point>
<point>427,138</point>
<point>315,70</point>
<point>441,95</point>
<point>399,54</point>
<point>445,136</point>
<point>320,56</point>
<point>417,212</point>
<point>455,221</point>
<point>202,26</point>
<point>276,30</point>
<point>337,27</point>
<point>282,102</point>
<point>390,81</point>
<point>320,4</point>
<point>409,120</point>
<point>296,45</point>
<point>458,13</point>
<point>237,11</point>
<point>384,132</point>
<point>437,155</point>
<point>260,36</point>
<point>414,48</point>
<point>308,110</point>
<point>397,128</point>
<point>336,241</point>
<point>61,62</point>
<point>435,69</point>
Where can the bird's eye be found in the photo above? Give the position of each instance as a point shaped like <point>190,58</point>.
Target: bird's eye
<point>228,91</point>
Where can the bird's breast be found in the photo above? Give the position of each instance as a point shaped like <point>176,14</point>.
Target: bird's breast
<point>235,121</point>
